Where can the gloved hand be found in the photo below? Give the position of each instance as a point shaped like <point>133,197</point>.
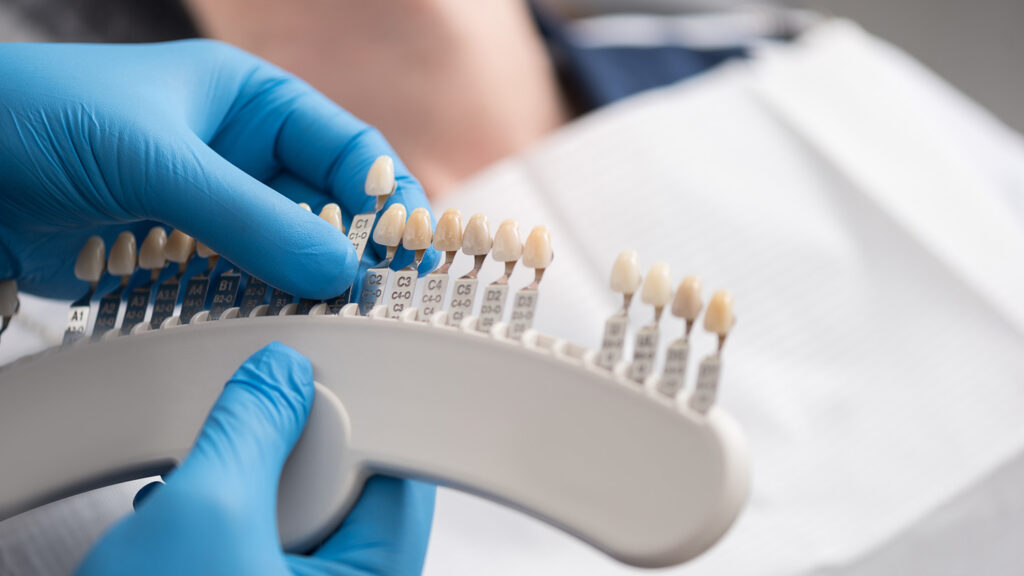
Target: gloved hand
<point>197,135</point>
<point>217,512</point>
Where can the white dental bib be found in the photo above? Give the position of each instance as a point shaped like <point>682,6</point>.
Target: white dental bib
<point>863,213</point>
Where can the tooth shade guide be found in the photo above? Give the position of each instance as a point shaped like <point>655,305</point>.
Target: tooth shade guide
<point>225,293</point>
<point>435,287</point>
<point>164,302</point>
<point>254,295</point>
<point>706,391</point>
<point>614,341</point>
<point>374,286</point>
<point>492,305</point>
<point>194,300</point>
<point>463,297</point>
<point>403,287</point>
<point>279,299</point>
<point>359,232</point>
<point>674,375</point>
<point>645,351</point>
<point>524,307</point>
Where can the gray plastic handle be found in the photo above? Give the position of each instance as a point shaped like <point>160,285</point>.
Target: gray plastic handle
<point>631,472</point>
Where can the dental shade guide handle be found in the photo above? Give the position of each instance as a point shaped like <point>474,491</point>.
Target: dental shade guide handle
<point>534,424</point>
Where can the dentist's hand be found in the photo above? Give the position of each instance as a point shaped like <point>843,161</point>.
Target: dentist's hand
<point>197,135</point>
<point>217,513</point>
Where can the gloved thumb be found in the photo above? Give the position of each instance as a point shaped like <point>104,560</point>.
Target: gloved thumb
<point>250,431</point>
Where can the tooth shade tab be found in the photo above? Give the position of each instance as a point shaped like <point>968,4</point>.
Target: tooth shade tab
<point>204,251</point>
<point>380,180</point>
<point>151,255</point>
<point>448,235</point>
<point>687,303</point>
<point>657,290</point>
<point>417,235</point>
<point>508,244</point>
<point>92,258</point>
<point>305,207</point>
<point>476,241</point>
<point>626,275</point>
<point>719,317</point>
<point>537,251</point>
<point>331,213</point>
<point>391,226</point>
<point>123,255</point>
<point>179,247</point>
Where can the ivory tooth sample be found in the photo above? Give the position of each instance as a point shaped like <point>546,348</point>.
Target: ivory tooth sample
<point>537,254</point>
<point>122,262</point>
<point>8,302</point>
<point>152,258</point>
<point>507,248</point>
<point>657,292</point>
<point>416,237</point>
<point>194,301</point>
<point>279,299</point>
<point>178,249</point>
<point>331,213</point>
<point>380,183</point>
<point>92,259</point>
<point>447,239</point>
<point>476,242</point>
<point>687,305</point>
<point>719,320</point>
<point>388,233</point>
<point>625,280</point>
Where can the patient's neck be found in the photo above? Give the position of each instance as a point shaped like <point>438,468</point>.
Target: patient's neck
<point>454,85</point>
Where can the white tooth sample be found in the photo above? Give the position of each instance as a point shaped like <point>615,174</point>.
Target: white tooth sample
<point>448,235</point>
<point>537,252</point>
<point>305,207</point>
<point>380,180</point>
<point>417,234</point>
<point>626,276</point>
<point>179,247</point>
<point>477,239</point>
<point>151,255</point>
<point>508,243</point>
<point>204,251</point>
<point>719,317</point>
<point>687,303</point>
<point>91,260</point>
<point>658,286</point>
<point>123,255</point>
<point>331,213</point>
<point>391,226</point>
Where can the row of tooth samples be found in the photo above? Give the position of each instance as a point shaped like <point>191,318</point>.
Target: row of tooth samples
<point>686,304</point>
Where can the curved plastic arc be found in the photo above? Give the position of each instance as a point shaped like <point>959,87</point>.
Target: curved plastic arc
<point>628,471</point>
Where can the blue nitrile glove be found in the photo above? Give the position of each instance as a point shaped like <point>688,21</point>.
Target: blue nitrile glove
<point>197,135</point>
<point>217,513</point>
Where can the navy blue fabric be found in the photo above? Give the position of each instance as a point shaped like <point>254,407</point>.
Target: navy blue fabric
<point>594,77</point>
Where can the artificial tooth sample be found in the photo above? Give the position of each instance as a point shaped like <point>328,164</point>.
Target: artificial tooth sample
<point>380,183</point>
<point>657,292</point>
<point>447,239</point>
<point>507,248</point>
<point>416,238</point>
<point>8,302</point>
<point>719,320</point>
<point>178,249</point>
<point>122,262</point>
<point>331,213</point>
<point>194,301</point>
<point>388,233</point>
<point>92,259</point>
<point>152,258</point>
<point>537,254</point>
<point>625,280</point>
<point>476,242</point>
<point>687,305</point>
